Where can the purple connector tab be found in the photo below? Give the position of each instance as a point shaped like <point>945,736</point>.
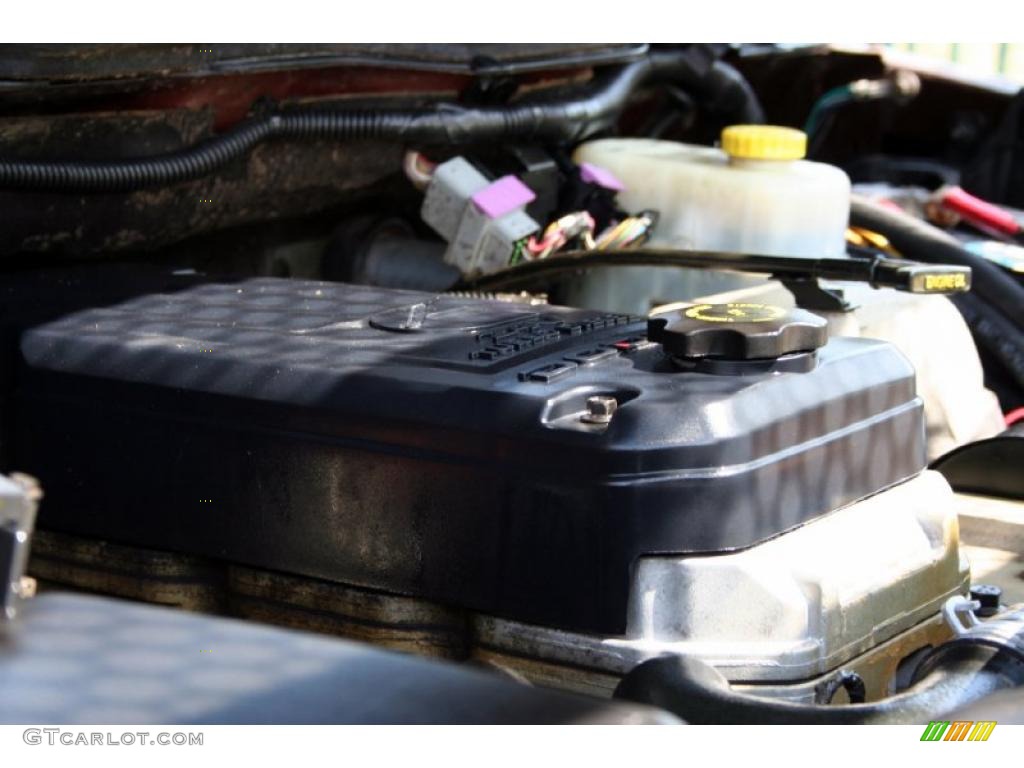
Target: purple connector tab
<point>595,174</point>
<point>503,196</point>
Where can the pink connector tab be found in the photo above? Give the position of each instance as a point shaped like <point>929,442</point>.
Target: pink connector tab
<point>595,174</point>
<point>503,196</point>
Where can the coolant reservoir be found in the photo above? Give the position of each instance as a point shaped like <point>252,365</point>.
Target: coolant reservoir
<point>754,195</point>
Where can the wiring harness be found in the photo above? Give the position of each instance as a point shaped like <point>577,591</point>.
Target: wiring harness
<point>568,119</point>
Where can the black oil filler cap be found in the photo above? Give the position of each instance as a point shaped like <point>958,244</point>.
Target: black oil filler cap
<point>738,331</point>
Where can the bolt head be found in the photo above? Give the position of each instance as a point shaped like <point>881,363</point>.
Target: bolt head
<point>600,409</point>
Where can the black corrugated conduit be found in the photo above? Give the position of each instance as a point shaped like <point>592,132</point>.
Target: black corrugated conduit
<point>568,119</point>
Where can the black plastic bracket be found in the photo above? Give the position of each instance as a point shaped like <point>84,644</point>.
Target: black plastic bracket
<point>810,294</point>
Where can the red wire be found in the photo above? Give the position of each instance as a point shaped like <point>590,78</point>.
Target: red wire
<point>978,211</point>
<point>1017,414</point>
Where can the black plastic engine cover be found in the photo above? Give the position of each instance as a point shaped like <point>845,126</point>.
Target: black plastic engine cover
<point>433,446</point>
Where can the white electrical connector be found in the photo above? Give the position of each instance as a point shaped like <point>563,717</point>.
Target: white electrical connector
<point>483,221</point>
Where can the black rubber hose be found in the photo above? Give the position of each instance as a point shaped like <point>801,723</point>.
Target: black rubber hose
<point>958,673</point>
<point>697,693</point>
<point>571,119</point>
<point>922,242</point>
<point>731,94</point>
<point>994,333</point>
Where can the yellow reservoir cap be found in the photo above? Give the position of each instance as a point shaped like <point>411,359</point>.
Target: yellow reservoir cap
<point>764,142</point>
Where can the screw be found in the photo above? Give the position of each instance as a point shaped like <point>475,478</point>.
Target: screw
<point>600,409</point>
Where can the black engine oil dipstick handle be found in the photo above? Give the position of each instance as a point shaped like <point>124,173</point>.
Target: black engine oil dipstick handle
<point>876,270</point>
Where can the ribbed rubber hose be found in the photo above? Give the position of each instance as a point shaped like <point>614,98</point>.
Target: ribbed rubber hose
<point>993,310</point>
<point>569,120</point>
<point>922,242</point>
<point>994,333</point>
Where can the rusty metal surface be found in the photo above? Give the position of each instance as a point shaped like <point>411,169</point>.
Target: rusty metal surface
<point>210,586</point>
<point>392,621</point>
<point>165,578</point>
<point>877,667</point>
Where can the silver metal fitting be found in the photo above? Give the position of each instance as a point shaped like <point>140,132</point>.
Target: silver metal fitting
<point>18,497</point>
<point>959,612</point>
<point>600,409</point>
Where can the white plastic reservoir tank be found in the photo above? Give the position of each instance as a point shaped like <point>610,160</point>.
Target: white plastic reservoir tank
<point>755,194</point>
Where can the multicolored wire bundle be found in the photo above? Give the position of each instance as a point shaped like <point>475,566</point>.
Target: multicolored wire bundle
<point>579,226</point>
<point>631,231</point>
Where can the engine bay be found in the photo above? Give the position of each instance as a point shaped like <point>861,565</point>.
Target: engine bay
<point>654,375</point>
